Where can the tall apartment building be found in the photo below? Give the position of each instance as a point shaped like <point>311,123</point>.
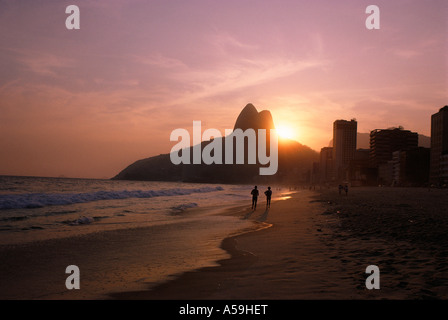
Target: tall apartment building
<point>344,146</point>
<point>410,167</point>
<point>439,147</point>
<point>383,142</point>
<point>326,164</point>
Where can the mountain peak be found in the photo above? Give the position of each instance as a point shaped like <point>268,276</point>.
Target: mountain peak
<point>249,107</point>
<point>250,118</point>
<point>294,160</point>
<point>266,120</point>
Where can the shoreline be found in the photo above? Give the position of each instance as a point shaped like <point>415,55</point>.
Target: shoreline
<point>255,268</point>
<point>120,259</point>
<point>315,245</point>
<point>189,285</point>
<point>319,246</point>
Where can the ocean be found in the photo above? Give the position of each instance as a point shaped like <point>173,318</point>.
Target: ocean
<point>184,221</point>
<point>39,208</point>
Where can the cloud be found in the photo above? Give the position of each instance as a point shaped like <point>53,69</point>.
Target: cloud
<point>159,60</point>
<point>407,54</point>
<point>225,43</point>
<point>240,75</point>
<point>42,63</point>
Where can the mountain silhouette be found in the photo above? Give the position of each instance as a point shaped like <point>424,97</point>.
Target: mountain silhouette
<point>294,160</point>
<point>250,118</point>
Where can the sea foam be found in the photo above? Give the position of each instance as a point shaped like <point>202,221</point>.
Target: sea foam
<point>39,200</point>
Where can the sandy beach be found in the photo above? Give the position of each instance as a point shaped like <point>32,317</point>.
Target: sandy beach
<point>401,230</point>
<point>123,259</point>
<point>319,245</point>
<point>287,260</point>
<point>315,245</point>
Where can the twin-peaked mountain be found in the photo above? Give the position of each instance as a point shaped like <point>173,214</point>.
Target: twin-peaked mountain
<point>250,118</point>
<point>294,159</point>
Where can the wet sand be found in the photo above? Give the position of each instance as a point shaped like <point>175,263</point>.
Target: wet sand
<point>113,260</point>
<point>314,246</point>
<point>288,260</point>
<point>319,246</point>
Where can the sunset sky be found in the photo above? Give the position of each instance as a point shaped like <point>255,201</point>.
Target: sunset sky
<point>89,102</point>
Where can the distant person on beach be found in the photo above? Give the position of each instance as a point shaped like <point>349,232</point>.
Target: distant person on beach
<point>254,194</point>
<point>346,189</point>
<point>268,194</point>
<point>340,188</point>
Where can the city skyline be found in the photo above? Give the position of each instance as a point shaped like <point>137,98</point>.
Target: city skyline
<point>86,103</point>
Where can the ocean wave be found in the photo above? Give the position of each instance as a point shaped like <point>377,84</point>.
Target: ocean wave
<point>80,221</point>
<point>39,200</point>
<point>185,206</point>
<point>16,218</point>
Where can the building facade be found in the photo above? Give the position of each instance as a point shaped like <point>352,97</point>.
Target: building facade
<point>360,173</point>
<point>383,142</point>
<point>439,146</point>
<point>410,167</point>
<point>344,147</point>
<point>443,177</point>
<point>326,164</point>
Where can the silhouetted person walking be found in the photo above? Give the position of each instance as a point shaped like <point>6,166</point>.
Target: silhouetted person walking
<point>254,194</point>
<point>346,190</point>
<point>268,194</point>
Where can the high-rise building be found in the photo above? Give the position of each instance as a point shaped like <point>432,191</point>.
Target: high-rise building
<point>360,172</point>
<point>383,142</point>
<point>326,164</point>
<point>410,167</point>
<point>439,146</point>
<point>443,177</point>
<point>344,146</point>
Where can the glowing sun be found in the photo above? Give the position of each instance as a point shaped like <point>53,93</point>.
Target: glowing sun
<point>285,132</point>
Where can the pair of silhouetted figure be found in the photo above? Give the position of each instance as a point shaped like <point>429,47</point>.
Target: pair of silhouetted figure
<point>255,194</point>
<point>345,188</point>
